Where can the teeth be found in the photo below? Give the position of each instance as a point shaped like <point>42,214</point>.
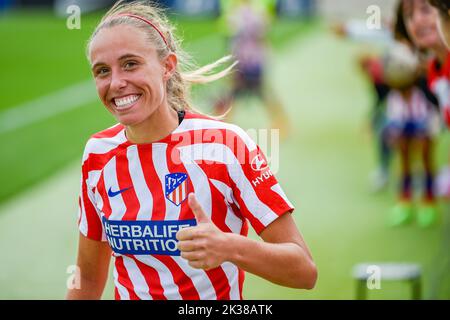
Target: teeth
<point>126,101</point>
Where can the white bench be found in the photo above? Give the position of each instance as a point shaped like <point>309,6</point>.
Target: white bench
<point>393,271</point>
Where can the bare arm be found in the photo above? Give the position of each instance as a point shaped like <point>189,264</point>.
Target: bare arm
<point>93,262</point>
<point>283,258</point>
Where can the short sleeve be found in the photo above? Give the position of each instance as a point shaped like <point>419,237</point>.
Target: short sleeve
<point>256,191</point>
<point>89,222</point>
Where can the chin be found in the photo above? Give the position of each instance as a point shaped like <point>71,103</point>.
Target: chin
<point>430,42</point>
<point>127,121</point>
<point>131,120</point>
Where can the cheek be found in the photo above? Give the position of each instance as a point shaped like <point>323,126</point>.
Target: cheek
<point>411,28</point>
<point>156,86</point>
<point>102,88</point>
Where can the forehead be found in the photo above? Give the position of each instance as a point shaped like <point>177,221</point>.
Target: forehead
<point>113,42</point>
<point>410,5</point>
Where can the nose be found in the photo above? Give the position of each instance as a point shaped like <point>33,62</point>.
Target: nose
<point>118,82</point>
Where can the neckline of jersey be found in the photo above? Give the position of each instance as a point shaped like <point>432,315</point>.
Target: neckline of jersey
<point>167,139</point>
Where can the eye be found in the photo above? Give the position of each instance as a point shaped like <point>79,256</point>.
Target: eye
<point>101,71</point>
<point>130,64</point>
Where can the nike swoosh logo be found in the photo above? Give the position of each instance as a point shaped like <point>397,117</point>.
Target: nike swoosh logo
<point>112,194</point>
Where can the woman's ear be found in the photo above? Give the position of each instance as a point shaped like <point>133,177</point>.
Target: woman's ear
<point>170,64</point>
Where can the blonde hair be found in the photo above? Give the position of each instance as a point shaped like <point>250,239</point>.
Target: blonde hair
<point>162,37</point>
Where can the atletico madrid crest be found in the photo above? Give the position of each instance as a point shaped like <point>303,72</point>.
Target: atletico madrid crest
<point>176,187</point>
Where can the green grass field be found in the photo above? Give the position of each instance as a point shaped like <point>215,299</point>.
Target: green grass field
<point>324,163</point>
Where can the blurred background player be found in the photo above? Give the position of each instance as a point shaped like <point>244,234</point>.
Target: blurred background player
<point>370,62</point>
<point>420,28</point>
<point>381,43</point>
<point>409,120</point>
<point>246,23</point>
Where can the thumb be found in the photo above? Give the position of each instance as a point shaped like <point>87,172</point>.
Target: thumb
<point>197,209</point>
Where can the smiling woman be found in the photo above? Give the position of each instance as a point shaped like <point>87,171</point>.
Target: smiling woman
<point>130,34</point>
<point>141,175</point>
<point>128,79</point>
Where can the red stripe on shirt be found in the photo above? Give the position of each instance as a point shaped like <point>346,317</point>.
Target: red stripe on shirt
<point>109,133</point>
<point>97,161</point>
<point>152,279</point>
<point>185,285</point>
<point>101,188</point>
<point>153,182</point>
<point>220,283</point>
<point>241,282</point>
<point>94,225</point>
<point>129,197</point>
<point>124,278</point>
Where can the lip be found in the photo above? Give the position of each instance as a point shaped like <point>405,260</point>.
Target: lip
<point>425,33</point>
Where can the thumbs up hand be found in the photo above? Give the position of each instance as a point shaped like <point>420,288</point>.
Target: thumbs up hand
<point>205,245</point>
<point>197,209</point>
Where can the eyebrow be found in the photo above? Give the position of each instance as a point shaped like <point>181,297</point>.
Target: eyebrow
<point>125,56</point>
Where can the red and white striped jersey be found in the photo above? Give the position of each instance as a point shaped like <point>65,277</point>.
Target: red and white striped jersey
<point>133,196</point>
<point>401,110</point>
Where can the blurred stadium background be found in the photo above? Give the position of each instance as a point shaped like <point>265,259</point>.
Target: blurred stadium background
<point>49,108</point>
